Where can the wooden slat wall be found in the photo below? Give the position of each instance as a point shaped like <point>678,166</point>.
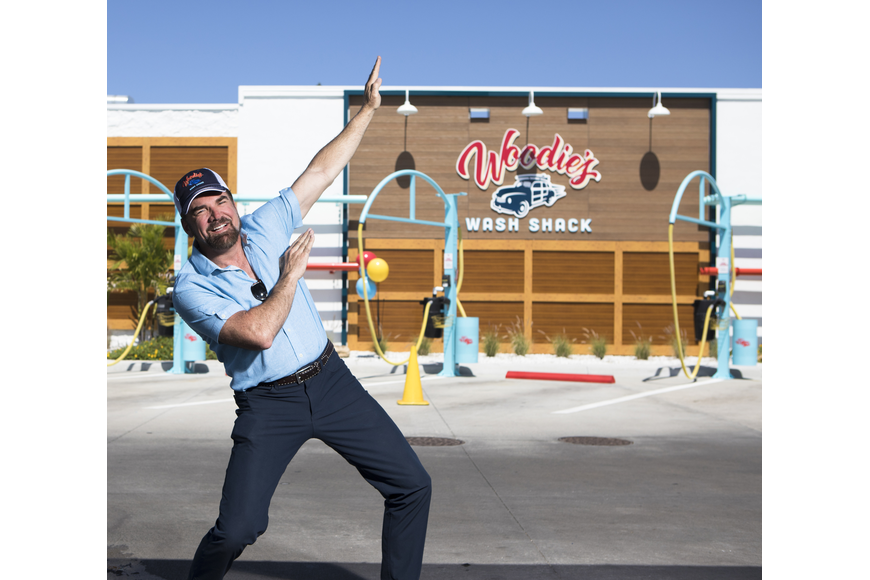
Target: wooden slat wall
<point>166,159</point>
<point>494,314</point>
<point>573,272</point>
<point>400,321</point>
<point>410,271</point>
<point>123,158</point>
<point>649,273</point>
<point>493,271</point>
<point>575,288</point>
<point>119,310</point>
<point>576,321</point>
<point>168,164</point>
<point>654,319</point>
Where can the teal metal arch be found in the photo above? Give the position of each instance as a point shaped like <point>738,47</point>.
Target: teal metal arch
<point>180,328</point>
<point>412,192</point>
<point>451,237</point>
<point>724,204</point>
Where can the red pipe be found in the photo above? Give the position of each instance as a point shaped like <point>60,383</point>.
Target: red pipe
<point>560,377</point>
<point>712,271</point>
<point>345,266</point>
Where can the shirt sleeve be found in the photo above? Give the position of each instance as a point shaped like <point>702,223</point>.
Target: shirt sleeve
<point>276,219</point>
<point>203,309</point>
<point>295,212</point>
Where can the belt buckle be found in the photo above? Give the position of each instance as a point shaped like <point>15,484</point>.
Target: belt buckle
<point>306,369</point>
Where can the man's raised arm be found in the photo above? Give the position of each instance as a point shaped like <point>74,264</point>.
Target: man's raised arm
<point>330,160</point>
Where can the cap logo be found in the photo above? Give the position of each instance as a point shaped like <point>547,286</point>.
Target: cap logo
<point>192,179</point>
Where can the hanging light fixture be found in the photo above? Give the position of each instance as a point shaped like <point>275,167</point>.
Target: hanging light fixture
<point>532,110</point>
<point>657,109</point>
<point>407,108</point>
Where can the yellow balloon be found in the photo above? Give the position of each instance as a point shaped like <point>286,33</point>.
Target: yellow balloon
<point>378,270</point>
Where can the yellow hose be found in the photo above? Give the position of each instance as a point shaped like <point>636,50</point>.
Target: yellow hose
<point>135,334</point>
<point>425,311</point>
<point>369,310</point>
<point>676,317</point>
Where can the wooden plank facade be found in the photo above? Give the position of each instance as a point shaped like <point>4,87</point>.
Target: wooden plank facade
<point>610,288</point>
<point>611,278</point>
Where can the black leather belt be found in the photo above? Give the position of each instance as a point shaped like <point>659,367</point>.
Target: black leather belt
<point>305,373</point>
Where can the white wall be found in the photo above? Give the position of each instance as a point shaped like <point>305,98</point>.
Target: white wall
<point>172,120</point>
<point>280,131</point>
<point>738,171</point>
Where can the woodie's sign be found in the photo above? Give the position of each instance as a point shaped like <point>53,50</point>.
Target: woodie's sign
<point>558,158</point>
<point>529,190</point>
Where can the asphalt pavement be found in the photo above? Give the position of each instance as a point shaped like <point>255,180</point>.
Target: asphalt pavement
<point>675,493</point>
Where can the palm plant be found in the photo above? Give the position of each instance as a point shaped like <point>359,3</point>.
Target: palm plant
<point>141,263</point>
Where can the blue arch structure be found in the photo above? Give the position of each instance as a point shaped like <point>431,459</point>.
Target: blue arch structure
<point>451,225</point>
<point>180,328</point>
<point>724,282</point>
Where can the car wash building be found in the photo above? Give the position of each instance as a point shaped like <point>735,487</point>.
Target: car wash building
<point>564,220</point>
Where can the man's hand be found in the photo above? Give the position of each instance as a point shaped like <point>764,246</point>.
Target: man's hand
<point>372,97</point>
<point>295,259</point>
<point>329,161</point>
<point>255,329</point>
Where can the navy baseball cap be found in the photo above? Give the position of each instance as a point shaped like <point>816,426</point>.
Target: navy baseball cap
<point>194,183</point>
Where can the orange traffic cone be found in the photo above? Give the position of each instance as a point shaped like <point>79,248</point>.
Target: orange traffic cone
<point>413,394</point>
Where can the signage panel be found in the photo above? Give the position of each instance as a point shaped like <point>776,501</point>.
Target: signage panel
<point>553,178</point>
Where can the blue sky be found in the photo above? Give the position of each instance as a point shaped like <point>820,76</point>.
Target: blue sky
<point>163,51</point>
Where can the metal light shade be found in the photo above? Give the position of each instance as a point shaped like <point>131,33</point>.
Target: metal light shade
<point>532,110</point>
<point>407,108</point>
<point>658,109</point>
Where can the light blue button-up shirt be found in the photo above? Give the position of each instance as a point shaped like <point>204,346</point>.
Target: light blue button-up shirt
<point>205,296</point>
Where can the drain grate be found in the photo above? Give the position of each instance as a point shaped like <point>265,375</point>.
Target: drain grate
<point>433,441</point>
<point>595,441</point>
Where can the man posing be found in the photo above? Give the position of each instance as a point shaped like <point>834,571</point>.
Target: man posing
<point>242,290</point>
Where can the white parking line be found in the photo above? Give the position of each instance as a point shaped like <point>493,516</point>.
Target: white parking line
<point>633,397</point>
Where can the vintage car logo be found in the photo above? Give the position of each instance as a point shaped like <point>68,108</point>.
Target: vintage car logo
<point>528,192</point>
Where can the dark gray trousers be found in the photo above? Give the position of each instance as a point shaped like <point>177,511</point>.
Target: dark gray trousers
<point>271,425</point>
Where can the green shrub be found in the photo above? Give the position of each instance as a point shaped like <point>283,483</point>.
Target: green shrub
<point>642,344</point>
<point>425,346</point>
<point>519,342</point>
<point>598,343</point>
<point>383,343</point>
<point>671,337</point>
<point>642,350</point>
<point>158,348</point>
<point>491,344</point>
<point>562,345</point>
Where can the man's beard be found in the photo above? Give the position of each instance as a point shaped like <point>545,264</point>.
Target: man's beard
<point>224,240</point>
